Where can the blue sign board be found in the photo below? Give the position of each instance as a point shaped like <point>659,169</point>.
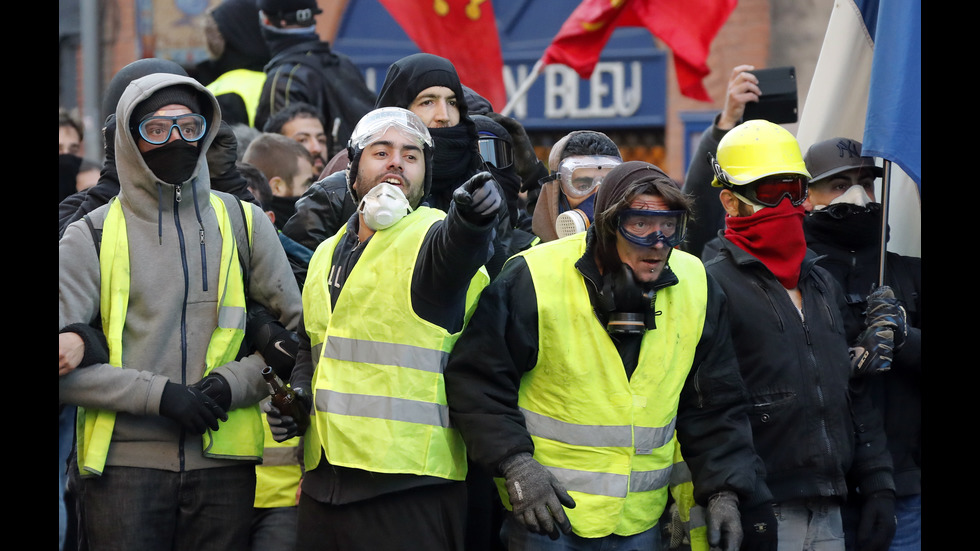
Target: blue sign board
<point>627,89</point>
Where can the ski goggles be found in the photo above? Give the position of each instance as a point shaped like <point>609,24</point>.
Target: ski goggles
<point>645,228</point>
<point>495,151</point>
<point>157,129</point>
<point>770,190</point>
<point>579,175</point>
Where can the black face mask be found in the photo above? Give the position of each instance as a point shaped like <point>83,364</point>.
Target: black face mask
<point>846,225</point>
<point>174,162</point>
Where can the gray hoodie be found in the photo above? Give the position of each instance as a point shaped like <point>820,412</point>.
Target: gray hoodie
<point>170,316</point>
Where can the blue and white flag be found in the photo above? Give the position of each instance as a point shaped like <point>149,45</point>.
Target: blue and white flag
<point>866,86</point>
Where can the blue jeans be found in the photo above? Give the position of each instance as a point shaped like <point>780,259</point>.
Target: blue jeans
<point>130,508</point>
<point>518,538</point>
<point>908,533</point>
<point>810,525</point>
<point>66,435</point>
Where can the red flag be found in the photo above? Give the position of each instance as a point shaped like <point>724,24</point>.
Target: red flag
<point>462,31</point>
<point>686,26</point>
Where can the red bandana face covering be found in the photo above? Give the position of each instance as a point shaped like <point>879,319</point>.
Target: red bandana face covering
<point>775,236</point>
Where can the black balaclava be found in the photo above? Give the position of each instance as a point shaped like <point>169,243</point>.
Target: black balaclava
<point>238,22</point>
<point>175,161</point>
<point>455,155</point>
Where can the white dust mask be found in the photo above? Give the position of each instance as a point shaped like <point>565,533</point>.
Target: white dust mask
<point>383,206</point>
<point>854,195</point>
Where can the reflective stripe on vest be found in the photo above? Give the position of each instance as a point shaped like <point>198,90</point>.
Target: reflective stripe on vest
<point>277,478</point>
<point>244,82</point>
<point>608,439</point>
<point>379,394</point>
<point>240,437</point>
<point>692,515</point>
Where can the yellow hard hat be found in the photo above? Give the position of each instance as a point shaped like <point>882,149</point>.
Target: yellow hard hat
<point>756,149</point>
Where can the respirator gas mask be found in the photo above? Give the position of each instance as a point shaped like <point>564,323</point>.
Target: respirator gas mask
<point>383,206</point>
<point>628,305</point>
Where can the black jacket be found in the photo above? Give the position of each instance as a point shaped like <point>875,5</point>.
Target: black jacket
<point>812,424</point>
<point>897,394</point>
<point>500,344</point>
<point>709,215</point>
<point>305,69</point>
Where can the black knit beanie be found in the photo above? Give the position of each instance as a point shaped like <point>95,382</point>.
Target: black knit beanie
<point>181,94</point>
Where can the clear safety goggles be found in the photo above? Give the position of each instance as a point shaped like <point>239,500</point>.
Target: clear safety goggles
<point>579,175</point>
<point>495,151</point>
<point>157,129</point>
<point>645,228</point>
<point>374,125</point>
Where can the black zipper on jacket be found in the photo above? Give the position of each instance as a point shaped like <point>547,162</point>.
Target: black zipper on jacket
<point>183,311</point>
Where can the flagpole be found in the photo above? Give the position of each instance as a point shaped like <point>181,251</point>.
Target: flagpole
<point>885,180</point>
<point>524,87</point>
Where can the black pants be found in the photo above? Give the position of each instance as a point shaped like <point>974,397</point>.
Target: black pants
<point>428,517</point>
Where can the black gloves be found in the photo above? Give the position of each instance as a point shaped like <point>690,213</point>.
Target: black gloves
<point>478,200</point>
<point>190,408</point>
<point>885,333</point>
<point>759,528</point>
<point>877,527</point>
<point>724,521</point>
<point>284,427</point>
<point>216,387</point>
<point>277,344</point>
<point>536,496</point>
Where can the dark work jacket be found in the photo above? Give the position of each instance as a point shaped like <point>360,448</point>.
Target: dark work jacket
<point>307,70</point>
<point>709,215</point>
<point>452,251</point>
<point>500,345</point>
<point>897,393</point>
<point>812,424</point>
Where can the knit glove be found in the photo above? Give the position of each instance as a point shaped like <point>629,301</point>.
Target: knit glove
<point>478,200</point>
<point>536,496</point>
<point>724,521</point>
<point>878,523</point>
<point>193,410</point>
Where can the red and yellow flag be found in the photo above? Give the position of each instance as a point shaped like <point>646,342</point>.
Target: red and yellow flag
<point>462,31</point>
<point>686,26</point>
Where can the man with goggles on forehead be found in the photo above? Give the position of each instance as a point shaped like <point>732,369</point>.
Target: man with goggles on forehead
<point>578,163</point>
<point>787,320</point>
<point>614,330</point>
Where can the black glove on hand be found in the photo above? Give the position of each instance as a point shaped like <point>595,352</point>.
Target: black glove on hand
<point>536,496</point>
<point>877,527</point>
<point>478,200</point>
<point>284,427</point>
<point>724,521</point>
<point>216,387</point>
<point>191,408</point>
<point>277,344</point>
<point>759,528</point>
<point>884,311</point>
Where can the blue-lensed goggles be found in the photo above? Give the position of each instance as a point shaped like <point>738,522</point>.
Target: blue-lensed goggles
<point>157,129</point>
<point>645,228</point>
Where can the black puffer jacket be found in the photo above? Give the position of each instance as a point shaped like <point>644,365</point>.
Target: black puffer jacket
<point>812,424</point>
